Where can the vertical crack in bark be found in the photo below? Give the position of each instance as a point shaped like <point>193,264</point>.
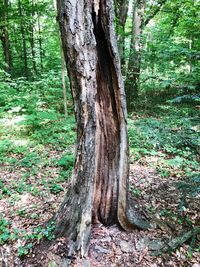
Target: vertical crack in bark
<point>99,186</point>
<point>107,133</point>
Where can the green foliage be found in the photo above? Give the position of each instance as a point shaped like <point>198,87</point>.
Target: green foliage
<point>37,234</point>
<point>66,162</point>
<point>4,231</point>
<point>56,188</point>
<point>171,135</point>
<point>190,188</point>
<point>30,160</point>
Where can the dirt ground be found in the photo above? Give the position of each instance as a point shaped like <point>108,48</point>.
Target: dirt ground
<point>153,196</point>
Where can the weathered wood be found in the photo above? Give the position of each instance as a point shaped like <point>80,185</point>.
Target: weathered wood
<point>98,191</point>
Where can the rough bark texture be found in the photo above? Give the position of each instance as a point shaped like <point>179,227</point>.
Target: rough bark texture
<point>98,191</point>
<point>63,82</point>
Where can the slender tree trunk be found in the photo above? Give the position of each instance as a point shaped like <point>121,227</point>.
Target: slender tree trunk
<point>121,12</point>
<point>32,40</point>
<point>23,40</point>
<point>133,72</point>
<point>63,82</point>
<point>98,191</point>
<point>191,41</point>
<point>40,38</point>
<point>4,35</point>
<point>134,65</point>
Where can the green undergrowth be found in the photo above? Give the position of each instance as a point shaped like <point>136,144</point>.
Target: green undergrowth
<point>37,150</point>
<point>168,133</point>
<point>36,156</point>
<point>167,138</point>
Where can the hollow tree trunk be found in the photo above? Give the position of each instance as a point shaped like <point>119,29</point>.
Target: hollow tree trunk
<point>98,191</point>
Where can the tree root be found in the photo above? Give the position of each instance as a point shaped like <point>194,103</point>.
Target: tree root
<point>171,245</point>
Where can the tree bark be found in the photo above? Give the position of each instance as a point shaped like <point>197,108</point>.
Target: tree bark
<point>98,191</point>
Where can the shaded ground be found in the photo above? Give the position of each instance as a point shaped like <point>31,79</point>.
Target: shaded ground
<point>112,246</point>
<point>36,160</point>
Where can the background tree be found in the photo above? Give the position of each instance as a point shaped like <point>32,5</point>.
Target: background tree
<point>134,62</point>
<point>4,35</point>
<point>121,13</point>
<point>170,51</point>
<point>143,12</point>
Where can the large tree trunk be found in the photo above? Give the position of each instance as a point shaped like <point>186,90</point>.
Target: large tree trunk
<point>133,72</point>
<point>98,191</point>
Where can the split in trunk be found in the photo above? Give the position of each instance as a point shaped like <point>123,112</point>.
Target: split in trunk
<point>98,191</point>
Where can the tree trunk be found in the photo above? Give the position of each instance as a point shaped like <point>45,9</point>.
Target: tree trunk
<point>4,36</point>
<point>23,40</point>
<point>32,39</point>
<point>40,37</point>
<point>98,191</point>
<point>134,65</point>
<point>133,72</point>
<point>121,12</point>
<point>63,69</point>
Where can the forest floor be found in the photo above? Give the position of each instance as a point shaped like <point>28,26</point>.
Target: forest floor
<point>36,158</point>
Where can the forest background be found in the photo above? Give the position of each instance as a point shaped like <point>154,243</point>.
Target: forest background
<point>159,47</point>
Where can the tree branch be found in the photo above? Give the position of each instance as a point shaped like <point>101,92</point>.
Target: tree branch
<point>155,11</point>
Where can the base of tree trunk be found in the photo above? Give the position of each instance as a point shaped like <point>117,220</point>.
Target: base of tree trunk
<point>99,186</point>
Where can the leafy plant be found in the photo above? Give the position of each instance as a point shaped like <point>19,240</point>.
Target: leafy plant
<point>66,162</point>
<point>4,231</point>
<point>56,188</point>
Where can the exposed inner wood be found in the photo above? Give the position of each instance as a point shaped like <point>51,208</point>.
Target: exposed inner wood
<point>98,188</point>
<point>107,133</point>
